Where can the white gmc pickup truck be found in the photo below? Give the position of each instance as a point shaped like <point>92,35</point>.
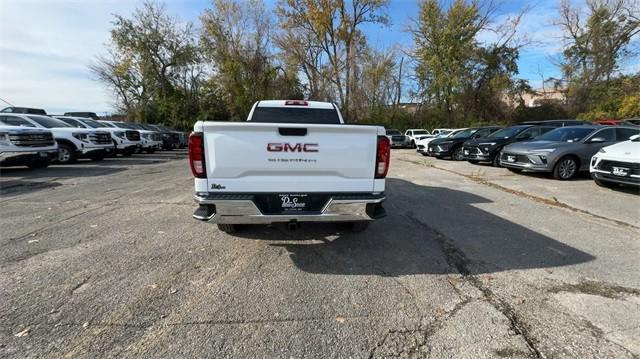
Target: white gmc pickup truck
<point>292,161</point>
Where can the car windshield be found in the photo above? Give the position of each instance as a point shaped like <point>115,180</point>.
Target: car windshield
<point>121,125</point>
<point>566,134</point>
<point>93,123</point>
<point>444,133</point>
<point>464,133</point>
<point>507,132</point>
<point>415,133</point>
<point>137,126</point>
<point>48,122</point>
<point>393,132</point>
<point>72,122</point>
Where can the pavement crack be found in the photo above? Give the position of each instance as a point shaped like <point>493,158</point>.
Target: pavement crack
<point>80,285</point>
<point>603,289</point>
<point>456,258</point>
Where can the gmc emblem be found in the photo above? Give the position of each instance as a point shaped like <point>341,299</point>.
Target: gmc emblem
<point>289,147</point>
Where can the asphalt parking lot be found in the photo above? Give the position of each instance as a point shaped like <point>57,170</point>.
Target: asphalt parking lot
<point>104,259</point>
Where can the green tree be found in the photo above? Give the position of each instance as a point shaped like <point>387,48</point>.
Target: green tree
<point>153,67</point>
<point>457,75</point>
<point>595,47</point>
<point>235,39</point>
<point>323,38</point>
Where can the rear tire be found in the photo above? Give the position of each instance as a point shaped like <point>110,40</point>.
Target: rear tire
<point>360,226</point>
<point>228,228</point>
<point>97,157</point>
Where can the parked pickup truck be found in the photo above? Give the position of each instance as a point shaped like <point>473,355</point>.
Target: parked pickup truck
<point>292,161</point>
<point>22,146</point>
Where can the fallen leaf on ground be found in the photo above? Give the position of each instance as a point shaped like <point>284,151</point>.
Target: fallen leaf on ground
<point>33,241</point>
<point>340,319</point>
<point>23,333</point>
<point>85,325</point>
<point>174,291</point>
<point>93,226</point>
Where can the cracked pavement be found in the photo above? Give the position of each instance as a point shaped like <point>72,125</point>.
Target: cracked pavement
<point>104,260</point>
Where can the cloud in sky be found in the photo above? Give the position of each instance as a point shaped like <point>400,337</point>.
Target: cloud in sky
<point>46,48</point>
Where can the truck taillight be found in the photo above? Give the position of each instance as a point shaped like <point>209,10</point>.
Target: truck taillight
<point>383,157</point>
<point>196,155</point>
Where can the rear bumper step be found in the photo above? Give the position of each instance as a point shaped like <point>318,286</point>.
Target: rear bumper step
<point>242,209</point>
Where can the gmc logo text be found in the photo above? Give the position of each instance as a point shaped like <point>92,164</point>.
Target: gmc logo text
<point>292,147</point>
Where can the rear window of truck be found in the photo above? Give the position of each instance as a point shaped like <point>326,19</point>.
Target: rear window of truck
<point>295,115</point>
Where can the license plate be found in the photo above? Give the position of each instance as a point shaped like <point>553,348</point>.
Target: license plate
<point>293,202</point>
<point>43,154</point>
<point>511,158</point>
<point>466,152</point>
<point>620,171</point>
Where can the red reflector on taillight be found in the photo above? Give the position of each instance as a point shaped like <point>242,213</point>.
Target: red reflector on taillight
<point>383,157</point>
<point>196,155</point>
<point>296,103</point>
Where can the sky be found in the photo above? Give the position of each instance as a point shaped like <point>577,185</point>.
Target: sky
<point>46,46</point>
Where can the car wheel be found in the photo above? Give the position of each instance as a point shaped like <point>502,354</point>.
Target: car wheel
<point>473,162</point>
<point>38,164</point>
<point>495,161</point>
<point>514,170</point>
<point>413,144</point>
<point>359,226</point>
<point>151,150</point>
<point>228,228</point>
<point>458,154</point>
<point>424,154</point>
<point>566,168</point>
<point>66,154</point>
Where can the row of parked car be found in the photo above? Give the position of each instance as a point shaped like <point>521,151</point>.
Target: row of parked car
<point>31,137</point>
<point>611,153</point>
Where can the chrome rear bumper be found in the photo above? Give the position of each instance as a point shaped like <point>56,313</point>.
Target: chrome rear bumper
<point>245,211</point>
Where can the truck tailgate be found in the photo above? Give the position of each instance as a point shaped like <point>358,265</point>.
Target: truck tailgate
<point>289,158</point>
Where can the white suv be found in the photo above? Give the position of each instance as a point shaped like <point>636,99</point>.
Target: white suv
<point>20,146</point>
<point>123,145</point>
<point>72,142</point>
<point>129,133</point>
<point>617,164</point>
<point>415,134</point>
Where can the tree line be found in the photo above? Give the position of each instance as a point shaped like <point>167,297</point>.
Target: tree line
<point>165,70</point>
